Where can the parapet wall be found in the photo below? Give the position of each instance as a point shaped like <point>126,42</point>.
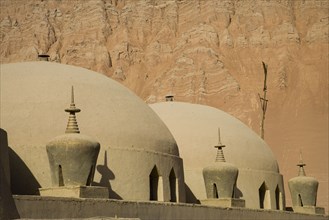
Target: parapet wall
<point>51,207</point>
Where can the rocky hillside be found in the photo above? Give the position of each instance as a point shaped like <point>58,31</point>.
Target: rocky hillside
<point>208,52</point>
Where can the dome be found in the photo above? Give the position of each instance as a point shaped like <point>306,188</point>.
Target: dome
<point>195,127</point>
<point>133,139</point>
<point>195,130</point>
<point>34,94</point>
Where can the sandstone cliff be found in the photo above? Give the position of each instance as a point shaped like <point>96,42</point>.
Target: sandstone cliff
<point>206,52</point>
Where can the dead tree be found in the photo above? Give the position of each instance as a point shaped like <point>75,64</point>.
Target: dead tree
<point>263,102</point>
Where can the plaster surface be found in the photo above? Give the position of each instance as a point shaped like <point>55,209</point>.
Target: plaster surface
<point>129,179</point>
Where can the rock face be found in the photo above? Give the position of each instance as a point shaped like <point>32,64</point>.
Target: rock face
<point>206,52</point>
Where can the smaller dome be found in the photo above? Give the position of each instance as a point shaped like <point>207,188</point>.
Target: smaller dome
<point>195,129</point>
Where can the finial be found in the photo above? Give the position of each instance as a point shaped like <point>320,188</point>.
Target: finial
<point>301,165</point>
<point>219,141</point>
<point>72,124</point>
<point>220,154</point>
<point>72,95</point>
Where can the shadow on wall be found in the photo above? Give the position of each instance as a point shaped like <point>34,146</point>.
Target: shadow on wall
<point>7,205</point>
<point>22,180</point>
<point>237,193</point>
<point>107,175</point>
<point>8,209</point>
<point>190,197</point>
<point>4,158</point>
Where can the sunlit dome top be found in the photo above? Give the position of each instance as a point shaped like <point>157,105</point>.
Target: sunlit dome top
<point>35,94</point>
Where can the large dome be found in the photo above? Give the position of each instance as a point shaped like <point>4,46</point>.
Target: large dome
<point>133,138</point>
<point>35,94</point>
<point>195,130</point>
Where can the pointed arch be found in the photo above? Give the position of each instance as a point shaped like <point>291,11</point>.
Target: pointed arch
<point>173,183</point>
<point>154,183</point>
<point>264,197</point>
<point>60,176</point>
<point>278,198</point>
<point>300,201</point>
<point>215,191</point>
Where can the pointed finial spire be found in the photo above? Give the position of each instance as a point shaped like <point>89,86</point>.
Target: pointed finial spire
<point>72,95</point>
<point>220,155</point>
<point>301,165</point>
<point>72,124</point>
<point>219,141</point>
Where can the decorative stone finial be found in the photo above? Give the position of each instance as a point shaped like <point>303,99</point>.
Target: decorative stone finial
<point>220,155</point>
<point>72,156</point>
<point>301,165</point>
<point>72,124</point>
<point>303,191</point>
<point>220,181</point>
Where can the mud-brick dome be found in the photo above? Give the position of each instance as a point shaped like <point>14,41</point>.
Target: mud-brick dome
<point>194,129</point>
<point>33,96</point>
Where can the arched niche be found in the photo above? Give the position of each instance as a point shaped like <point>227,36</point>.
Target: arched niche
<point>155,185</point>
<point>173,183</point>
<point>264,197</point>
<point>278,198</point>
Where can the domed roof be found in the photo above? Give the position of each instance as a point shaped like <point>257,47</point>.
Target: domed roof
<point>195,129</point>
<point>35,94</point>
